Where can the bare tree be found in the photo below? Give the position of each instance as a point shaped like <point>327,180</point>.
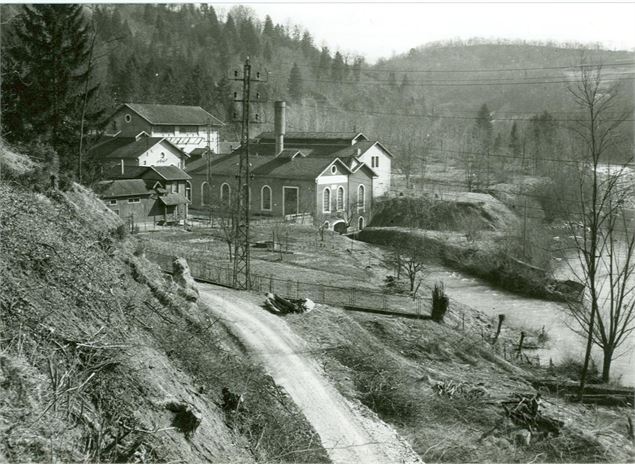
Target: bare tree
<point>410,258</point>
<point>604,242</point>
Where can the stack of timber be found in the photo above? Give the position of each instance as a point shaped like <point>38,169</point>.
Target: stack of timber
<point>599,394</point>
<point>278,305</point>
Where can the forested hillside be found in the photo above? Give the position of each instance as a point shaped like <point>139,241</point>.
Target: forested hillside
<point>424,103</point>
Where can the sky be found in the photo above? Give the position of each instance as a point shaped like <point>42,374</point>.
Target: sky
<point>382,29</point>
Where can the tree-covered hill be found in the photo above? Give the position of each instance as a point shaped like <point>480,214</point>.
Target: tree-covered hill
<point>422,102</point>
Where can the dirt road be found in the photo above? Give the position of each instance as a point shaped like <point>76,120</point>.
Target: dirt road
<point>349,432</point>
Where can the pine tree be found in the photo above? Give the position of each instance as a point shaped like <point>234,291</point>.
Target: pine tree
<point>249,38</point>
<point>48,57</point>
<point>338,68</point>
<point>267,30</point>
<point>295,83</point>
<point>230,33</point>
<point>306,44</point>
<point>325,63</point>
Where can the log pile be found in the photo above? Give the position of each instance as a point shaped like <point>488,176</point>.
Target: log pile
<point>524,411</point>
<point>602,395</point>
<point>278,305</point>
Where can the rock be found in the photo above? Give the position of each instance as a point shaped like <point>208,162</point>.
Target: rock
<point>309,305</point>
<point>183,278</point>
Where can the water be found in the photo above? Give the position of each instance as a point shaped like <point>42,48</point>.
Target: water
<point>533,314</point>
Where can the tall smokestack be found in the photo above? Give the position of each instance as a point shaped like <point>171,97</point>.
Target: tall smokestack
<point>279,124</point>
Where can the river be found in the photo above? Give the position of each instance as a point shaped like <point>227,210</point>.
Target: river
<point>533,314</point>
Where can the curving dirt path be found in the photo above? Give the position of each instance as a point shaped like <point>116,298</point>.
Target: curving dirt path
<point>349,432</point>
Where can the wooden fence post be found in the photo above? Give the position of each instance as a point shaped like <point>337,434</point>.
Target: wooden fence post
<point>520,343</point>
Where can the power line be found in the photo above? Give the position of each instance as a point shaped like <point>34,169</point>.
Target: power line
<point>536,68</point>
<point>440,116</point>
<point>450,84</point>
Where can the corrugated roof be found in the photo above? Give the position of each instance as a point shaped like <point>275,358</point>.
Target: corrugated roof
<point>122,188</point>
<point>174,114</point>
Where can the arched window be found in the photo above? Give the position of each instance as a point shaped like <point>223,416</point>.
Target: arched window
<point>188,191</point>
<point>225,193</point>
<point>326,200</point>
<point>265,198</point>
<point>206,194</point>
<point>340,198</point>
<point>360,223</point>
<point>361,197</point>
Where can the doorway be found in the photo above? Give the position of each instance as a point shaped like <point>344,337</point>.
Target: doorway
<point>290,200</point>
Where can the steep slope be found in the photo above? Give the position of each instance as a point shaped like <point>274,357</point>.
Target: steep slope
<point>103,359</point>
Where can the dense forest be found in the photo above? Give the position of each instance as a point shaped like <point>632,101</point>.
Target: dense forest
<point>442,100</point>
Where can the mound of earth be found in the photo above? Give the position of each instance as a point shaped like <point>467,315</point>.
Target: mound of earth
<point>451,211</point>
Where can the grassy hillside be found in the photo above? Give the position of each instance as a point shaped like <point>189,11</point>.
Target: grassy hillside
<point>391,365</point>
<point>103,359</point>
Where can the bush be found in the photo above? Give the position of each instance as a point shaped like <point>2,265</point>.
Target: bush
<point>571,368</point>
<point>440,302</point>
<point>120,232</point>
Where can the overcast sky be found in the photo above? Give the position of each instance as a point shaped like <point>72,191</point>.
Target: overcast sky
<point>377,30</point>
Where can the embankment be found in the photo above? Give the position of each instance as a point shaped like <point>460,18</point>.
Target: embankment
<point>104,359</point>
<point>484,259</point>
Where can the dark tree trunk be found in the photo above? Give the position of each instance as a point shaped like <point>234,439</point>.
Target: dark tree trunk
<point>606,365</point>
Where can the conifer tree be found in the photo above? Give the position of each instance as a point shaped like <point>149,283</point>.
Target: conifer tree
<point>338,67</point>
<point>250,38</point>
<point>295,83</point>
<point>48,58</point>
<point>267,29</point>
<point>325,63</point>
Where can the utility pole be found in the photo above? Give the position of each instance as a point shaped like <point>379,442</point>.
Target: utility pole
<point>524,194</point>
<point>242,274</point>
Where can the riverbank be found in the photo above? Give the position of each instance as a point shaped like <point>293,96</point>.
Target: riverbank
<point>485,258</point>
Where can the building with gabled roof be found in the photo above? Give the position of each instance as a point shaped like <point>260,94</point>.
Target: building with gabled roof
<point>187,127</point>
<point>147,193</point>
<point>142,150</point>
<point>295,175</point>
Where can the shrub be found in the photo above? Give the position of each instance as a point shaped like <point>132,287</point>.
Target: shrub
<point>120,232</point>
<point>440,302</point>
<point>571,368</point>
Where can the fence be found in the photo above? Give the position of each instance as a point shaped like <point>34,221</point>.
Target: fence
<point>354,298</point>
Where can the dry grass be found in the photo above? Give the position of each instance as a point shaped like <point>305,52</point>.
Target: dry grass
<point>94,343</point>
<point>390,365</point>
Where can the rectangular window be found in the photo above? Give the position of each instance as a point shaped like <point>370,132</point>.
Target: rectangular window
<point>134,200</point>
<point>374,161</point>
<point>112,202</point>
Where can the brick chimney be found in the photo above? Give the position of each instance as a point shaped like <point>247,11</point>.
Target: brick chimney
<point>279,124</point>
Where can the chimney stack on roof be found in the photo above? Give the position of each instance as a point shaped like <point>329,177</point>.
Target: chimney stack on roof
<point>279,124</point>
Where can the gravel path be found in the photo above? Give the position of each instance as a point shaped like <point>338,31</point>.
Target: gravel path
<point>350,433</point>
